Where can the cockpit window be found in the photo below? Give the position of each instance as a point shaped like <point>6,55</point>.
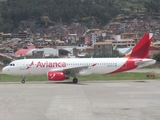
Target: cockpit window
<point>11,64</point>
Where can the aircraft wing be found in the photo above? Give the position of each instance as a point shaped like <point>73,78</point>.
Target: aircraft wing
<point>73,70</point>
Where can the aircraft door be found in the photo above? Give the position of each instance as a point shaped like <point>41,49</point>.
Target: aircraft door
<point>22,65</point>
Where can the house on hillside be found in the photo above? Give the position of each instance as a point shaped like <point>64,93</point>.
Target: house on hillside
<point>134,36</point>
<point>101,48</point>
<point>153,50</point>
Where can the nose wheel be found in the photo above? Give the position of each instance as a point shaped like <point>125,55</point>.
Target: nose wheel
<point>75,80</point>
<point>23,80</point>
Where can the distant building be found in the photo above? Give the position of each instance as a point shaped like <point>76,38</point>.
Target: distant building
<point>24,52</point>
<point>124,43</point>
<point>114,26</point>
<point>118,42</point>
<point>130,35</point>
<point>103,48</point>
<point>5,56</point>
<point>153,50</point>
<point>22,35</point>
<point>80,51</point>
<point>156,44</point>
<point>90,50</point>
<point>50,52</point>
<point>94,38</point>
<point>87,40</point>
<point>6,36</point>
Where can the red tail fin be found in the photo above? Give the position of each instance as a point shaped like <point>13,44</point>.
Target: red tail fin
<point>141,49</point>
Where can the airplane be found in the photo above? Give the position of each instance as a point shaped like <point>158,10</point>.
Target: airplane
<point>61,69</point>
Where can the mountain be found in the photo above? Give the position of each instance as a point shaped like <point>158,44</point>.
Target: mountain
<point>92,13</point>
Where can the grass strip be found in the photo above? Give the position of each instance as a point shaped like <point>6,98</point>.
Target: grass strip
<point>118,76</point>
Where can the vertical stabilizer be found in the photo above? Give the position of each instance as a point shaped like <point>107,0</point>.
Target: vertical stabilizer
<point>141,49</point>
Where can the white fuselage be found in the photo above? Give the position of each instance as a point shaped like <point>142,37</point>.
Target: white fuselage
<point>26,67</point>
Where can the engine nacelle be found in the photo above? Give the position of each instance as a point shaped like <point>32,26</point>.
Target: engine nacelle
<point>57,76</point>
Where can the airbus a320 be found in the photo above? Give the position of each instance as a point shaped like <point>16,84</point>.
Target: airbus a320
<point>61,69</point>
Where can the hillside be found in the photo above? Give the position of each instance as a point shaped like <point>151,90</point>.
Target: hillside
<point>91,13</point>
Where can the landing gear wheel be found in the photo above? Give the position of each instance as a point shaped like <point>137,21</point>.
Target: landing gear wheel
<point>75,80</point>
<point>23,81</point>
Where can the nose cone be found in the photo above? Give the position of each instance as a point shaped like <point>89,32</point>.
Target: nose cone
<point>4,70</point>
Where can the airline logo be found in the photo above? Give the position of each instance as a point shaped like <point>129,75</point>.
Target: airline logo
<point>47,64</point>
<point>52,76</point>
<point>32,63</point>
<point>51,64</point>
<point>94,64</point>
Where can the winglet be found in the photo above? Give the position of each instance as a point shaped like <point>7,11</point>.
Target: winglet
<point>141,49</point>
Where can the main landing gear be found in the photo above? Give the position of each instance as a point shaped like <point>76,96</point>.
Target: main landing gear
<point>75,80</point>
<point>23,80</point>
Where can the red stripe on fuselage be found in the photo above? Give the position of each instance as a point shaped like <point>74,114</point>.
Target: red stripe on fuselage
<point>128,65</point>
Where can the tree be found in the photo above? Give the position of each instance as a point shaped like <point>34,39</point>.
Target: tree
<point>116,54</point>
<point>13,11</point>
<point>6,61</point>
<point>157,57</point>
<point>152,6</point>
<point>87,56</point>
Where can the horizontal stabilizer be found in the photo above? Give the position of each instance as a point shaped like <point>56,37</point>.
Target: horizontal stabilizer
<point>145,62</point>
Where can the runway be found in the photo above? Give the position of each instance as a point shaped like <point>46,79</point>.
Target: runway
<point>105,100</point>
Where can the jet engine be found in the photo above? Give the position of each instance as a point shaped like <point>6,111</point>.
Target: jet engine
<point>57,76</point>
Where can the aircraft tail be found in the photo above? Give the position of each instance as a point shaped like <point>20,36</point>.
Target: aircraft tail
<point>141,49</point>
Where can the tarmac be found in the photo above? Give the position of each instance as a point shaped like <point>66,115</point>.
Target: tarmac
<point>105,100</point>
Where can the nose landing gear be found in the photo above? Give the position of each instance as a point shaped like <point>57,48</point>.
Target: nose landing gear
<point>23,80</point>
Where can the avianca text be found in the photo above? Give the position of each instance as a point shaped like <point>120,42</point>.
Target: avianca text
<point>51,64</point>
